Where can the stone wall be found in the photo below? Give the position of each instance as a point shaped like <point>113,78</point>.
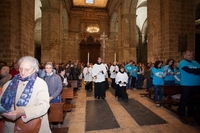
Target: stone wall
<point>166,21</point>
<point>51,31</point>
<point>16,30</point>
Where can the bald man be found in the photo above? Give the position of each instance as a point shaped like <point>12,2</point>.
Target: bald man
<point>190,82</point>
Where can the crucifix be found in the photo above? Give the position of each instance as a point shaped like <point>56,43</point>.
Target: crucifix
<point>104,38</point>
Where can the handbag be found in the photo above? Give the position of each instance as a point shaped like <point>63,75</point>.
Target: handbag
<point>32,126</point>
<point>1,125</point>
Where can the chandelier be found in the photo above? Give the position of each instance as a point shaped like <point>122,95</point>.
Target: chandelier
<point>92,29</point>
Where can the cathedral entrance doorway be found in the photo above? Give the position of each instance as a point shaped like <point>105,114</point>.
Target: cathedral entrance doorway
<point>89,50</point>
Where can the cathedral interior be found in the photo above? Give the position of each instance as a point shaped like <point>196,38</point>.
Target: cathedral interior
<point>63,30</point>
<point>140,30</point>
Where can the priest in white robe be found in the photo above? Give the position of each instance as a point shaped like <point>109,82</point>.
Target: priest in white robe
<point>87,73</point>
<point>98,73</point>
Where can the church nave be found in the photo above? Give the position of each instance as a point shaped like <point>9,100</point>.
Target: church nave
<point>123,122</point>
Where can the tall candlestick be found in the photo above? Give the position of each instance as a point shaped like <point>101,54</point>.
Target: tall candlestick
<point>115,57</point>
<point>88,57</point>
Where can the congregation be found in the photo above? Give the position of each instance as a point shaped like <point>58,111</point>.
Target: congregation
<point>124,76</point>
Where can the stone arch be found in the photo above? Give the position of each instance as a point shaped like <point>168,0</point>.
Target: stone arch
<point>142,4</point>
<point>138,41</point>
<point>143,43</point>
<point>144,33</point>
<point>129,6</point>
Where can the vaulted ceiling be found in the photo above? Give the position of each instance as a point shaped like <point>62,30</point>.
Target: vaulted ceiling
<point>90,3</point>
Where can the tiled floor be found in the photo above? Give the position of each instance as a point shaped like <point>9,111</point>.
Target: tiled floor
<point>75,119</point>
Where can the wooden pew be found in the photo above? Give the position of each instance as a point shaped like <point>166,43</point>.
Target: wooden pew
<point>55,114</point>
<point>148,93</point>
<point>74,84</point>
<point>67,93</point>
<point>169,91</point>
<point>67,96</point>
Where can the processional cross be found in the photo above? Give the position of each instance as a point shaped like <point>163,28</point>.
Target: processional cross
<point>104,38</point>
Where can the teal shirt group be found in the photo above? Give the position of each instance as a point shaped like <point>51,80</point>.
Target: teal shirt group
<point>135,69</point>
<point>189,79</point>
<point>128,68</point>
<point>157,80</point>
<point>178,74</point>
<point>168,77</point>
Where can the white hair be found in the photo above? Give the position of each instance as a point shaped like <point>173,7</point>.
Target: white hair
<point>31,59</point>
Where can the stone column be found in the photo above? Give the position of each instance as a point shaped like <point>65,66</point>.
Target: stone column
<point>167,20</point>
<point>16,29</point>
<point>127,30</point>
<point>128,37</point>
<point>51,31</point>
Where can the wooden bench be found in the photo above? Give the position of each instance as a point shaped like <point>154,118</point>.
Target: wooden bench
<point>169,91</point>
<point>74,85</point>
<point>148,93</point>
<point>67,93</point>
<point>55,114</point>
<point>67,96</point>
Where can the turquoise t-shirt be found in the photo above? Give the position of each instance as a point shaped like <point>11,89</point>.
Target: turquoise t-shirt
<point>128,68</point>
<point>178,74</point>
<point>135,69</point>
<point>157,80</point>
<point>189,79</point>
<point>168,77</point>
<point>151,75</point>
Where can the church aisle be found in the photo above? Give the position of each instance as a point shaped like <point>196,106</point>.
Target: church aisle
<point>76,119</point>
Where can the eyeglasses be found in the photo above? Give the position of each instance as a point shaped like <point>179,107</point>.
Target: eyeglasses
<point>48,67</point>
<point>25,69</point>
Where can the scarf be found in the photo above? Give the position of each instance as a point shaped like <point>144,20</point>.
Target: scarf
<point>9,95</point>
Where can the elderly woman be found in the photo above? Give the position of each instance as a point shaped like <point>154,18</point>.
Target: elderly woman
<point>54,83</point>
<point>28,94</point>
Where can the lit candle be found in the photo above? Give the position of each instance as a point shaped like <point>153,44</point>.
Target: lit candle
<point>88,57</point>
<point>115,57</point>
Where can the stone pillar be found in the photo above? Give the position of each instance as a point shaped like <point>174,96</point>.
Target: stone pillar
<point>51,31</point>
<point>16,29</point>
<point>167,20</point>
<point>127,31</point>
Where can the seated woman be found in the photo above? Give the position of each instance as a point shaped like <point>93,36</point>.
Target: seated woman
<point>5,76</point>
<point>29,94</point>
<point>61,72</point>
<point>54,83</point>
<point>14,69</point>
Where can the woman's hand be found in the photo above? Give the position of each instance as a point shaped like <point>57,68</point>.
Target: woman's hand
<point>13,115</point>
<point>50,98</point>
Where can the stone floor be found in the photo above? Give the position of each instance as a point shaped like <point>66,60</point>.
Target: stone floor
<point>76,119</point>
